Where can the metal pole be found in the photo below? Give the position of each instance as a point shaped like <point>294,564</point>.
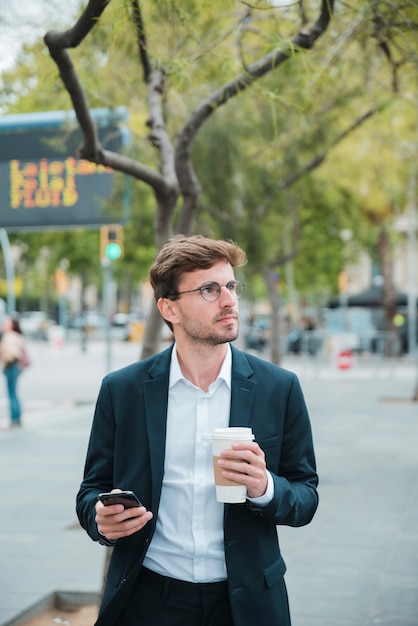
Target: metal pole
<point>412,245</point>
<point>412,263</point>
<point>107,277</point>
<point>10,271</point>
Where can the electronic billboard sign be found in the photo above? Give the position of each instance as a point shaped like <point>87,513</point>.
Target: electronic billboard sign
<point>43,184</point>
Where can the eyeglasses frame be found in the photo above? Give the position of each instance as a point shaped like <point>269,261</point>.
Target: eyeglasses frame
<point>237,283</point>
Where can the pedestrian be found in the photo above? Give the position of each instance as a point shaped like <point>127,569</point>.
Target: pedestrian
<point>183,558</point>
<point>13,357</point>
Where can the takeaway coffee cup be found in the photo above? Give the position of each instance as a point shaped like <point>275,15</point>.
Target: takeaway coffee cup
<point>223,438</point>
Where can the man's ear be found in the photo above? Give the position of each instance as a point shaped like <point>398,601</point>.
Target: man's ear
<point>168,309</point>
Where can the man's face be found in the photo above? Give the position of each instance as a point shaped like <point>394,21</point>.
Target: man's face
<point>208,323</point>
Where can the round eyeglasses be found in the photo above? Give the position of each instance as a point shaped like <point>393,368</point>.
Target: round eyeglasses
<point>211,291</point>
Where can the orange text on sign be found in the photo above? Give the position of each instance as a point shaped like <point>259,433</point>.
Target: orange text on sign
<point>48,183</point>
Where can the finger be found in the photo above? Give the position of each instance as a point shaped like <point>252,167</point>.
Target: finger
<point>241,448</point>
<point>243,456</point>
<point>110,509</point>
<point>125,528</point>
<point>247,445</point>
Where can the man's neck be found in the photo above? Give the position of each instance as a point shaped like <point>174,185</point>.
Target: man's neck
<point>201,365</point>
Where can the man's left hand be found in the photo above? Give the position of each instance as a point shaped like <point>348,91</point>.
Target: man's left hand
<point>245,463</point>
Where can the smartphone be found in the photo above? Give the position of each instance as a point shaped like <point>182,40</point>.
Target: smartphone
<point>127,498</point>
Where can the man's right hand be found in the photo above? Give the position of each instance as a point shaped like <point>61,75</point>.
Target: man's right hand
<point>114,521</point>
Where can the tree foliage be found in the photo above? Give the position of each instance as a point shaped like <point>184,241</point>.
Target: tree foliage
<point>258,169</point>
<point>241,44</point>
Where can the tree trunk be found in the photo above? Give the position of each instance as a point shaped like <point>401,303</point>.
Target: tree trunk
<point>152,333</point>
<point>271,281</point>
<point>389,292</point>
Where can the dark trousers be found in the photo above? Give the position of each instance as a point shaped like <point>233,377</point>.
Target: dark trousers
<point>161,601</point>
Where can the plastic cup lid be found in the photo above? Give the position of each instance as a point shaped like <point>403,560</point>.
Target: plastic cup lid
<point>234,432</point>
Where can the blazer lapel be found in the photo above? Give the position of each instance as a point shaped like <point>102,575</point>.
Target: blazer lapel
<point>156,399</point>
<point>243,390</point>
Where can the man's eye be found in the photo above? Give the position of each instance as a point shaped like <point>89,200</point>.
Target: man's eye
<point>209,289</point>
<point>232,286</point>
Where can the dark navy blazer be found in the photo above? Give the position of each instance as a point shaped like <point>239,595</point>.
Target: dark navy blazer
<point>126,449</point>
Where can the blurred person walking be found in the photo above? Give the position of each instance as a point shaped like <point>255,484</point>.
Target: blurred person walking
<point>13,357</point>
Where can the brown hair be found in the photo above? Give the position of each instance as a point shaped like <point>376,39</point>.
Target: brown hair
<point>186,254</point>
<point>16,326</point>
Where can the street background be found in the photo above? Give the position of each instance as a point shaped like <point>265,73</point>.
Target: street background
<point>356,564</point>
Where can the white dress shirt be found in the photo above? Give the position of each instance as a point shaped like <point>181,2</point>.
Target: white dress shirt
<point>188,542</point>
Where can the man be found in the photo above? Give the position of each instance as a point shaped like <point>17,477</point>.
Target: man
<point>184,559</point>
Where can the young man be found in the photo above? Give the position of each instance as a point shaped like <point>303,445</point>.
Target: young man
<point>184,559</point>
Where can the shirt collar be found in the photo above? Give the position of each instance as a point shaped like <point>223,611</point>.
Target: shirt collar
<point>224,373</point>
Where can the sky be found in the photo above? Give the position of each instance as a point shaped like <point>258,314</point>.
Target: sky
<point>26,20</point>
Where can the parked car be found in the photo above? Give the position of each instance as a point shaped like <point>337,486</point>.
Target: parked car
<point>257,332</point>
<point>35,324</point>
<point>120,319</point>
<point>89,321</point>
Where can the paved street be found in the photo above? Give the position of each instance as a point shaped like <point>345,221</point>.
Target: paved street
<point>356,564</point>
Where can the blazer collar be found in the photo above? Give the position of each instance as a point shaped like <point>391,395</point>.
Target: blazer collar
<point>156,391</point>
<point>156,400</point>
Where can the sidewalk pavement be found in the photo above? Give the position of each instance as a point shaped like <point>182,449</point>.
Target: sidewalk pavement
<point>356,564</point>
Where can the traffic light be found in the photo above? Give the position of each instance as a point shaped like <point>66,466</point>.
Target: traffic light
<point>111,242</point>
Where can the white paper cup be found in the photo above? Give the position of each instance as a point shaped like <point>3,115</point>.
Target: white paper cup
<point>223,438</point>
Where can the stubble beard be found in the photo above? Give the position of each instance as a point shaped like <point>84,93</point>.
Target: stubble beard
<point>198,333</point>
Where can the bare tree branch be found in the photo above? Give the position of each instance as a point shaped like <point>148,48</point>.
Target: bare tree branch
<point>141,39</point>
<point>155,81</point>
<point>187,178</point>
<point>57,43</point>
<point>318,159</point>
<point>164,183</point>
<point>72,37</point>
<point>131,167</point>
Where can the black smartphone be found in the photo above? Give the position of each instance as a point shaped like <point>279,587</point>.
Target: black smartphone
<point>127,498</point>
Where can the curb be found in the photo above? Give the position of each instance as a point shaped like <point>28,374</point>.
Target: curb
<point>60,600</point>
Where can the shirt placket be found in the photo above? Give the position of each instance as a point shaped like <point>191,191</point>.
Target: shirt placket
<point>201,480</point>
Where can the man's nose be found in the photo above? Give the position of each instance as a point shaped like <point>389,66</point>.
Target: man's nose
<point>226,297</point>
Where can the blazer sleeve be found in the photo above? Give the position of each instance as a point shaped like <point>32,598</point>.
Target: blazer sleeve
<point>289,453</point>
<point>98,470</point>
